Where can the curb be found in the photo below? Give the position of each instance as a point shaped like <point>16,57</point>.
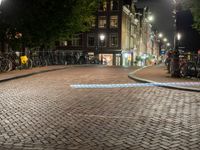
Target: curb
<point>31,74</point>
<point>40,72</point>
<point>132,76</point>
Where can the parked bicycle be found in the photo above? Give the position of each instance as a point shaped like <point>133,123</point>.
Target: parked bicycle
<point>191,67</point>
<point>5,64</point>
<point>18,60</point>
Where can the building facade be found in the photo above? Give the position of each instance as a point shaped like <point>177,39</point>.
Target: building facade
<point>116,36</point>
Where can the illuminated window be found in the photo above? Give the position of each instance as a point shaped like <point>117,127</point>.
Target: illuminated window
<point>113,21</point>
<point>102,21</point>
<point>114,40</point>
<point>114,5</point>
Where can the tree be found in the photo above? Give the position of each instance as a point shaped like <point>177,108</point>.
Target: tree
<point>42,22</point>
<point>194,6</point>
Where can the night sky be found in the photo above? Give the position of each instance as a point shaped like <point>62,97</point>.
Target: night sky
<point>162,10</point>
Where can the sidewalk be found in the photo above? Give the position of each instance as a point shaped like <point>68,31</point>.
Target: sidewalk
<point>159,74</point>
<point>28,72</point>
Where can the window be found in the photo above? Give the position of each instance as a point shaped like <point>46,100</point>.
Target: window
<point>114,40</point>
<point>102,21</point>
<point>64,43</point>
<point>102,5</point>
<point>93,22</point>
<point>113,21</point>
<point>91,40</point>
<point>76,40</point>
<point>114,5</point>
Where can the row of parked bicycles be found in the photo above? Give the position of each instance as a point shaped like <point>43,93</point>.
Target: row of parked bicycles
<point>184,65</point>
<point>189,65</point>
<point>18,60</point>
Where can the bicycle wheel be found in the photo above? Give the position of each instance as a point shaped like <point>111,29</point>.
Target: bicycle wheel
<point>192,71</point>
<point>6,65</point>
<point>29,64</point>
<point>183,70</point>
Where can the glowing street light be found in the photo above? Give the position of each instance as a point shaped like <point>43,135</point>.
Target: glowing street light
<point>178,36</point>
<point>168,44</point>
<point>160,35</point>
<point>1,1</point>
<point>165,40</point>
<point>151,18</point>
<point>102,37</point>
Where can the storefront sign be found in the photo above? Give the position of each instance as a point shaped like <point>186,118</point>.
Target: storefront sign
<point>162,52</point>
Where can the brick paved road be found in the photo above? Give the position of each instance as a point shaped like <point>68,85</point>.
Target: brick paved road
<point>43,112</point>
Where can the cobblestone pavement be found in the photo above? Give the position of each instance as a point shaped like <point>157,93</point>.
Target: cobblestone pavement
<point>17,73</point>
<point>43,112</point>
<point>159,74</point>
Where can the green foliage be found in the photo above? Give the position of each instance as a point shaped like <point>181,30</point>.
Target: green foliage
<point>138,58</point>
<point>42,22</point>
<point>194,6</point>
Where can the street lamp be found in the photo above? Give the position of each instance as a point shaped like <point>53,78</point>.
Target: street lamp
<point>168,44</point>
<point>174,63</point>
<point>160,35</point>
<point>102,38</point>
<point>165,40</point>
<point>179,36</point>
<point>151,18</point>
<point>140,32</point>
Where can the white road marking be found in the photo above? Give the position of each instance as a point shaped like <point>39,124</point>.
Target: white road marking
<point>131,85</point>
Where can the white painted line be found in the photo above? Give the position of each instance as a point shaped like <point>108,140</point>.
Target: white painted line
<point>131,85</point>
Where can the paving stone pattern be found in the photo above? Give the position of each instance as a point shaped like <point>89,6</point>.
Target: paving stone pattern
<point>43,112</point>
<point>160,74</point>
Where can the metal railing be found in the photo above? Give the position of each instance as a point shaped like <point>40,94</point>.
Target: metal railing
<point>18,60</point>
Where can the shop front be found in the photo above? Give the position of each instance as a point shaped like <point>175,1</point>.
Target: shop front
<point>126,58</point>
<point>106,59</point>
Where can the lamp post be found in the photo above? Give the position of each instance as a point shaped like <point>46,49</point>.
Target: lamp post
<point>140,32</point>
<point>174,63</point>
<point>1,44</point>
<point>175,24</point>
<point>102,38</point>
<point>149,20</point>
<point>178,39</point>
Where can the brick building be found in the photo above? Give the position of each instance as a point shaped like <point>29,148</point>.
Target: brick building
<point>114,20</point>
<point>125,34</point>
